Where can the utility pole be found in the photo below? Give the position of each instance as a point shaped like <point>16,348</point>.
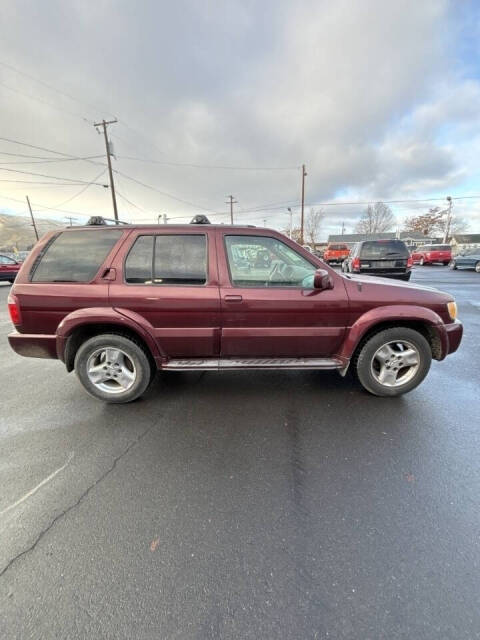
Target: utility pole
<point>104,125</point>
<point>33,219</point>
<point>232,201</point>
<point>264,222</point>
<point>291,222</point>
<point>164,216</point>
<point>304,173</point>
<point>449,220</point>
<point>343,228</point>
<point>70,219</point>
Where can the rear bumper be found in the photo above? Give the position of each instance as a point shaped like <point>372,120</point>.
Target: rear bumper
<point>33,345</point>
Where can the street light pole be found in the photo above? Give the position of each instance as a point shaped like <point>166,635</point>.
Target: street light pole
<point>291,222</point>
<point>304,173</point>
<point>449,220</point>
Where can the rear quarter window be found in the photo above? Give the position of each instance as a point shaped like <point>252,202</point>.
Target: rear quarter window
<point>74,256</point>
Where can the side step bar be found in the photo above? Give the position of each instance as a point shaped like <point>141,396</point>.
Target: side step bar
<point>222,364</point>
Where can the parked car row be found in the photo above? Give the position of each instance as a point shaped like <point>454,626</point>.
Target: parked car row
<point>9,267</point>
<point>392,259</point>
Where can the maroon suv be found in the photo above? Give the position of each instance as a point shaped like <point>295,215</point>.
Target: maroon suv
<point>118,303</point>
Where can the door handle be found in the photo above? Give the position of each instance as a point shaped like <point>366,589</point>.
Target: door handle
<point>233,298</point>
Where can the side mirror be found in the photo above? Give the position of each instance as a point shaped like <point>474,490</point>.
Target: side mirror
<point>322,280</point>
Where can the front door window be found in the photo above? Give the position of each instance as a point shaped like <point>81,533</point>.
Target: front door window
<point>261,261</point>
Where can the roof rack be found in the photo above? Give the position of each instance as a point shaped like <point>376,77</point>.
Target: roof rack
<point>99,221</point>
<point>200,219</point>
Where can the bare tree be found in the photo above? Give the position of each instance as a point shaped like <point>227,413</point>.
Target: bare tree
<point>376,219</point>
<point>313,223</point>
<point>435,221</point>
<point>296,233</point>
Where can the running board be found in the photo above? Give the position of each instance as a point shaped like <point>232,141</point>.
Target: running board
<point>218,364</point>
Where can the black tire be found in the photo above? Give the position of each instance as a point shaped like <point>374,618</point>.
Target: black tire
<point>445,263</point>
<point>406,277</point>
<point>363,360</point>
<point>142,373</point>
<point>452,265</point>
<point>477,267</point>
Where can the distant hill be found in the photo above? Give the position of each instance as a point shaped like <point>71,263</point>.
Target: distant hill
<point>17,231</point>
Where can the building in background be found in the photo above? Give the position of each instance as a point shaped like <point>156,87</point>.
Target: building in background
<point>412,239</point>
<point>463,241</point>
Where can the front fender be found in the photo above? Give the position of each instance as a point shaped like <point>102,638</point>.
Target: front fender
<point>392,313</point>
<point>104,315</point>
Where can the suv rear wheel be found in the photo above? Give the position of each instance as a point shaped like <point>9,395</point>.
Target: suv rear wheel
<point>393,361</point>
<point>113,368</point>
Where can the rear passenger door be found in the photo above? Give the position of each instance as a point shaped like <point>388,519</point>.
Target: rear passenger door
<point>170,280</point>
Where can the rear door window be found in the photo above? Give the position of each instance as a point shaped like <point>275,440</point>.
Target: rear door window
<point>74,256</point>
<point>387,249</point>
<point>168,260</point>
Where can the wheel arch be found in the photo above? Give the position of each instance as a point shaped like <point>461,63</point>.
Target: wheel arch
<point>421,319</point>
<point>87,323</point>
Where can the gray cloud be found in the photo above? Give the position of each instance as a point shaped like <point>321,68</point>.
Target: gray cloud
<point>367,94</point>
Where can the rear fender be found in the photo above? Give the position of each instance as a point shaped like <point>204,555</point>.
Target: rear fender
<point>394,314</point>
<point>106,315</point>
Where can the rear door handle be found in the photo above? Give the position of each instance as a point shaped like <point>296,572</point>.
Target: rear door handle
<point>233,298</point>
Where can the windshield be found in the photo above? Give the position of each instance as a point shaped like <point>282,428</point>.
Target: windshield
<point>383,249</point>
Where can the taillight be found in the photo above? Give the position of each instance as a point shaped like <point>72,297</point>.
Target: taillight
<point>14,310</point>
<point>409,261</point>
<point>356,264</point>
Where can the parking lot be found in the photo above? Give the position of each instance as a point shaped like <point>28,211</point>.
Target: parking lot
<point>273,505</point>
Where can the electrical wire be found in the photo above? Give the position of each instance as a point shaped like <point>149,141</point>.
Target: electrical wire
<point>45,102</point>
<point>207,166</point>
<point>163,193</point>
<point>49,160</point>
<point>60,204</point>
<point>60,153</point>
<point>43,175</point>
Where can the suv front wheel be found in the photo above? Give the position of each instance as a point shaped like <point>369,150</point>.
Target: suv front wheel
<point>113,368</point>
<point>393,361</point>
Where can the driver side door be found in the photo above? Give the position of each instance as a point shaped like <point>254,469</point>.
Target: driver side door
<point>269,307</point>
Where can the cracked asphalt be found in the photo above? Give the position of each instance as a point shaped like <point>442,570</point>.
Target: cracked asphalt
<point>273,505</point>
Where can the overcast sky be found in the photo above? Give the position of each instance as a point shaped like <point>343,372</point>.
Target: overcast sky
<point>380,100</point>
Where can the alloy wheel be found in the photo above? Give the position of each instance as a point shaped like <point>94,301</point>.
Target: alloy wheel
<point>395,363</point>
<point>111,370</point>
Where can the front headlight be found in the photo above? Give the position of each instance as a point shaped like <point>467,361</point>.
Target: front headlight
<point>452,309</point>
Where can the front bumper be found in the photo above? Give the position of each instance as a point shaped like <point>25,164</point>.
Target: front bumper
<point>33,345</point>
<point>454,333</point>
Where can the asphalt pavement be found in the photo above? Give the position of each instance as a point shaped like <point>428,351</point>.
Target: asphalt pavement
<point>243,505</point>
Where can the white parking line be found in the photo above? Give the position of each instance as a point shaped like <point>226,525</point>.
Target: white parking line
<point>35,489</point>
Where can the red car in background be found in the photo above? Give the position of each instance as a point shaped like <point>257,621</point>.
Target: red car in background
<point>8,268</point>
<point>335,253</point>
<point>430,253</point>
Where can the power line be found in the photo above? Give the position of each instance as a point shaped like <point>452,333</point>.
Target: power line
<point>43,175</point>
<point>48,160</point>
<point>208,166</point>
<point>163,193</point>
<point>49,86</point>
<point>45,102</point>
<point>60,204</point>
<point>60,153</point>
